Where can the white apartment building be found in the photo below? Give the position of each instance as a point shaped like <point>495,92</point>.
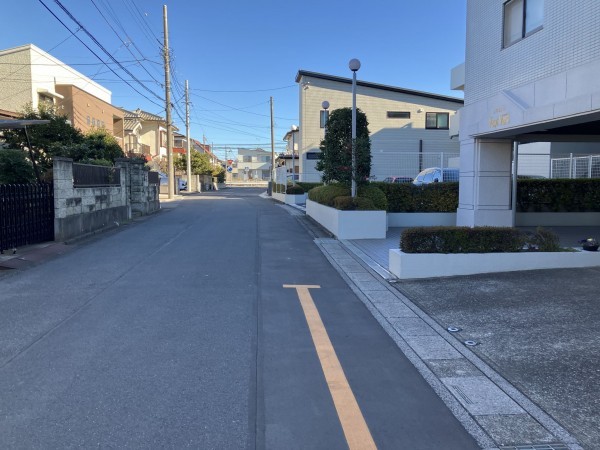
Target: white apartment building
<point>30,75</point>
<point>531,75</point>
<point>253,164</point>
<point>404,124</point>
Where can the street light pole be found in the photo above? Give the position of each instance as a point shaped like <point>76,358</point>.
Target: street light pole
<point>354,65</point>
<point>325,106</point>
<point>294,129</point>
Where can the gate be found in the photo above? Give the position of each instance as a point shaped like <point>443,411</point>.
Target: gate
<point>26,214</point>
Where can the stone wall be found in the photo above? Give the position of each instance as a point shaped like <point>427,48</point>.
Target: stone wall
<point>81,211</point>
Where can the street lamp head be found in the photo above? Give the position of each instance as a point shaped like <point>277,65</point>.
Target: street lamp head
<point>325,105</point>
<point>354,64</point>
<point>294,127</point>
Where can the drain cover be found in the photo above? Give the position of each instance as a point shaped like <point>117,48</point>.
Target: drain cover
<point>471,343</point>
<point>453,329</point>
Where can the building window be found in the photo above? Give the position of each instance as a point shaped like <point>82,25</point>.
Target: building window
<point>89,121</point>
<point>398,114</point>
<point>163,139</point>
<point>324,117</point>
<point>93,121</point>
<point>522,18</point>
<point>436,121</point>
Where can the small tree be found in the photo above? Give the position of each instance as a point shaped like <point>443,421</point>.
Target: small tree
<point>200,163</point>
<point>336,148</point>
<point>14,167</point>
<point>219,172</point>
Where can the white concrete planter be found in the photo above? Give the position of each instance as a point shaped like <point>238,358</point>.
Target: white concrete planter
<point>558,219</point>
<point>428,265</point>
<point>416,219</point>
<point>290,199</point>
<point>349,224</point>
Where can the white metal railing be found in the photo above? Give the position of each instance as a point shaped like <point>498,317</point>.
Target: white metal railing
<point>559,166</point>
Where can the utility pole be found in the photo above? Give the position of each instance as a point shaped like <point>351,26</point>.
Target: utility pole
<point>168,107</point>
<point>272,181</point>
<point>187,137</point>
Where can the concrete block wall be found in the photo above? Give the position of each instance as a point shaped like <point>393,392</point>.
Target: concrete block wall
<point>80,211</point>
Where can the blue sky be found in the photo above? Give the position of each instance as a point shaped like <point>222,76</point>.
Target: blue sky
<point>236,54</point>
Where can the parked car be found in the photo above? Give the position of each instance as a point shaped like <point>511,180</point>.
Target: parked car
<point>398,180</point>
<point>164,181</point>
<point>436,175</point>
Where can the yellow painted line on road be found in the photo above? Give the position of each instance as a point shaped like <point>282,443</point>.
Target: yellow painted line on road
<point>353,423</point>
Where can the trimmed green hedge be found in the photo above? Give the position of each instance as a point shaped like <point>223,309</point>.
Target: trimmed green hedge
<point>462,240</point>
<point>326,194</point>
<point>376,195</point>
<point>307,186</point>
<point>347,203</point>
<point>406,197</point>
<point>562,195</point>
<point>294,190</point>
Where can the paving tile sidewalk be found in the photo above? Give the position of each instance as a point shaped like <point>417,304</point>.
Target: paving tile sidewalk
<point>489,406</point>
<point>539,330</point>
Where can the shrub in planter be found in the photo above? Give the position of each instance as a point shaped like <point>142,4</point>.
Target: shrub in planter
<point>543,240</point>
<point>461,240</point>
<point>375,194</point>
<point>294,190</point>
<point>347,203</point>
<point>307,186</point>
<point>326,194</point>
<point>406,197</point>
<point>558,195</point>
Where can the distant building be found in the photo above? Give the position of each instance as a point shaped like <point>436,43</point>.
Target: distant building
<point>531,75</point>
<point>253,165</point>
<point>401,122</point>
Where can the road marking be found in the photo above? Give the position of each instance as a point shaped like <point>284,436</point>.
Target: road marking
<point>353,423</point>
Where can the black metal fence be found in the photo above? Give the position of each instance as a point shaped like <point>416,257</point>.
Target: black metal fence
<point>153,177</point>
<point>87,175</point>
<point>26,214</point>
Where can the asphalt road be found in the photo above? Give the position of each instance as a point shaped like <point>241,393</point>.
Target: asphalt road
<point>178,332</point>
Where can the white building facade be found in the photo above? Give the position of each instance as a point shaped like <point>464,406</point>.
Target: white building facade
<point>403,124</point>
<point>531,75</point>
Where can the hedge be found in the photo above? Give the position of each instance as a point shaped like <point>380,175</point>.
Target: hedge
<point>294,190</point>
<point>461,240</point>
<point>406,197</point>
<point>559,195</point>
<point>376,195</point>
<point>307,186</point>
<point>325,195</point>
<point>348,203</point>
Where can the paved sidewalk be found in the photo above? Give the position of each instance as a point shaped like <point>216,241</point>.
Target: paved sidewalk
<point>537,334</point>
<point>489,406</point>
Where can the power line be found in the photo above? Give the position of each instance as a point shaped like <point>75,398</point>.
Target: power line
<point>125,43</point>
<point>241,110</point>
<point>252,90</point>
<point>101,47</point>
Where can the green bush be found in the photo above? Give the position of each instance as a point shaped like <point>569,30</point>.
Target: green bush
<point>326,194</point>
<point>561,195</point>
<point>347,203</point>
<point>543,240</point>
<point>307,186</point>
<point>294,190</point>
<point>461,240</point>
<point>406,197</point>
<point>14,167</point>
<point>375,194</point>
